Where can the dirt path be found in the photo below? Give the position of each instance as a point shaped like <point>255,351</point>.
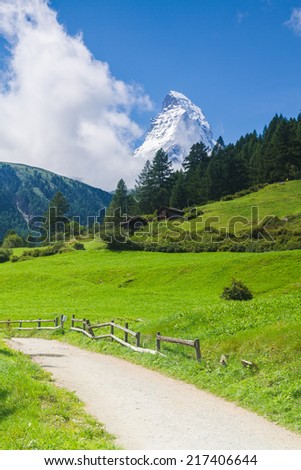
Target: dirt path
<point>146,410</point>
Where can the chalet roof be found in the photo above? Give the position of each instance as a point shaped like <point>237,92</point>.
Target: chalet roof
<point>170,209</point>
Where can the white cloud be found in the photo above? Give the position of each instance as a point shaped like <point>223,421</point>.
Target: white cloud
<point>60,108</point>
<point>294,22</point>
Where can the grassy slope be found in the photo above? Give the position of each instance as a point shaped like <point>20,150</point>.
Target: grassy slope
<point>136,285</point>
<point>276,199</point>
<point>34,414</point>
<point>179,294</point>
<point>279,200</point>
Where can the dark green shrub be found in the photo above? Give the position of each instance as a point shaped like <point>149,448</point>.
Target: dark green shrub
<point>13,240</point>
<point>51,249</point>
<point>14,258</point>
<point>237,291</point>
<point>78,246</point>
<point>31,253</point>
<point>4,255</point>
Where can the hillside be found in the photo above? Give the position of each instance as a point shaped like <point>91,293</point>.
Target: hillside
<point>264,220</point>
<point>26,191</point>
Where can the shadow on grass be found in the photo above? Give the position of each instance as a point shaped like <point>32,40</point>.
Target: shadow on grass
<point>5,412</point>
<point>6,352</point>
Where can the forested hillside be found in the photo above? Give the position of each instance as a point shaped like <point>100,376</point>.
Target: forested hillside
<point>26,191</point>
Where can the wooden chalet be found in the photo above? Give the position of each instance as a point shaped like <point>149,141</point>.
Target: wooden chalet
<point>166,213</point>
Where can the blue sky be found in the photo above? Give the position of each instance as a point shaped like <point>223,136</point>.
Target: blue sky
<point>237,59</point>
<point>78,105</point>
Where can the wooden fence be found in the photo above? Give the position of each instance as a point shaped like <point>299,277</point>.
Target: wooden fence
<point>87,329</point>
<point>186,342</point>
<point>58,322</point>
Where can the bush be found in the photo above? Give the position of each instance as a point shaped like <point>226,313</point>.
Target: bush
<point>47,251</point>
<point>14,258</point>
<point>78,246</point>
<point>237,291</point>
<point>13,240</point>
<point>4,255</point>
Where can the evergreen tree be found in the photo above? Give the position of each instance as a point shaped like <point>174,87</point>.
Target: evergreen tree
<point>58,223</point>
<point>161,170</point>
<point>154,183</point>
<point>144,190</point>
<point>179,191</point>
<point>195,166</point>
<point>161,179</point>
<point>60,203</point>
<point>120,201</point>
<point>197,159</point>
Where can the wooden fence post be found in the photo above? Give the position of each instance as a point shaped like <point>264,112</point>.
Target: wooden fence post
<point>138,340</point>
<point>8,324</point>
<point>126,335</point>
<point>56,322</point>
<point>39,322</point>
<point>90,329</point>
<point>112,329</point>
<point>197,350</point>
<point>72,321</point>
<point>158,344</point>
<point>84,324</point>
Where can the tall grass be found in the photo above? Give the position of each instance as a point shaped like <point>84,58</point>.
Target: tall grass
<point>34,414</point>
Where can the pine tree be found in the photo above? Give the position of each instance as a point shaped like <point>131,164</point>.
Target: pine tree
<point>58,223</point>
<point>197,159</point>
<point>60,203</point>
<point>144,189</point>
<point>153,188</point>
<point>195,166</point>
<point>120,201</point>
<point>179,191</point>
<point>161,170</point>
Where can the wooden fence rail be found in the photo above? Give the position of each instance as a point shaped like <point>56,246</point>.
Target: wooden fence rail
<point>87,329</point>
<point>186,342</point>
<point>57,321</point>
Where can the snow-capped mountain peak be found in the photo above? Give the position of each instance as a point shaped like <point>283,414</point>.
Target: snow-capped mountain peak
<point>178,126</point>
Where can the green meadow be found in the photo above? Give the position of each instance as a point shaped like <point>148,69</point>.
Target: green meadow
<point>179,295</point>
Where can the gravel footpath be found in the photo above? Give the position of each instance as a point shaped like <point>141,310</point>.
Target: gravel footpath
<point>146,410</point>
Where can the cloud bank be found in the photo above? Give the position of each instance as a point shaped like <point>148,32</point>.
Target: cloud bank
<point>60,108</point>
<point>294,22</point>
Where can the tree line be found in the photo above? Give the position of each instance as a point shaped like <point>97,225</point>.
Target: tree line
<point>269,157</point>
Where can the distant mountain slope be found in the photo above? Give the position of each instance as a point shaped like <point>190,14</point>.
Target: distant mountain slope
<point>177,127</point>
<point>26,191</point>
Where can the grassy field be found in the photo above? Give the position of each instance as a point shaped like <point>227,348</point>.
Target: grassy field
<point>179,295</point>
<point>129,285</point>
<point>34,414</point>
